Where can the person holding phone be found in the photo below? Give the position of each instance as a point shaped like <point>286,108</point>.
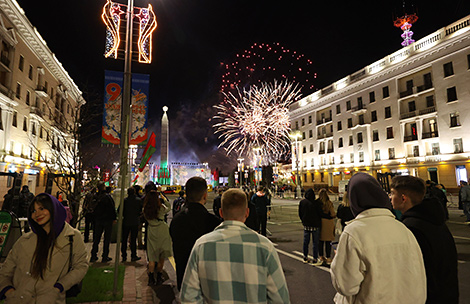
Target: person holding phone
<point>378,260</point>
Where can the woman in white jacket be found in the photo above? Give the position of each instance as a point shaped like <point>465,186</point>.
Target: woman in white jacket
<point>37,268</point>
<point>378,260</point>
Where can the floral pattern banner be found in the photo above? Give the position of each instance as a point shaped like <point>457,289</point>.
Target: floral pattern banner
<point>111,131</point>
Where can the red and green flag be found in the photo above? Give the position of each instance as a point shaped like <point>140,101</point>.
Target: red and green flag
<point>148,152</point>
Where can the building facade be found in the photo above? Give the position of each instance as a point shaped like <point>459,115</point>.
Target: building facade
<point>408,113</point>
<point>39,104</point>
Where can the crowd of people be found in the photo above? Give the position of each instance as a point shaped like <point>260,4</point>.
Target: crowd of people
<point>393,247</point>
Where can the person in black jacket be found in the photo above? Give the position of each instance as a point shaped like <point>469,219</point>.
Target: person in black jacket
<point>130,224</point>
<point>190,224</point>
<point>426,220</point>
<point>104,215</point>
<point>261,202</point>
<point>217,204</point>
<point>310,211</point>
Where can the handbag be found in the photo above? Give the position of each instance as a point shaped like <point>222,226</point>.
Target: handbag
<point>338,227</point>
<point>77,288</point>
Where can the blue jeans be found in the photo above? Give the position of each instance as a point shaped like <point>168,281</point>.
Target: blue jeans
<point>316,238</point>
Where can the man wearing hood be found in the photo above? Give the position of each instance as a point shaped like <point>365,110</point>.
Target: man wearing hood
<point>426,220</point>
<point>310,211</point>
<point>261,202</point>
<point>378,260</point>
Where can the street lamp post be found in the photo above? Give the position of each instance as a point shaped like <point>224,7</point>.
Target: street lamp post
<point>240,170</point>
<point>256,166</point>
<point>296,136</point>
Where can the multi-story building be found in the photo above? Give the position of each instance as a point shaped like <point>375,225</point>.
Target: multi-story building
<point>408,113</point>
<point>39,103</point>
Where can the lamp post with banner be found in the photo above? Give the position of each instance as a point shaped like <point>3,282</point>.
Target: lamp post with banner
<point>295,138</point>
<point>240,171</point>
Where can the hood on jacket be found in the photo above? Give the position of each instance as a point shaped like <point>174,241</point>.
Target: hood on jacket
<point>59,216</point>
<point>365,192</point>
<point>429,210</point>
<point>310,195</point>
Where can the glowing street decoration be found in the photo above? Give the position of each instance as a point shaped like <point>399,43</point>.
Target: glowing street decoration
<point>148,24</point>
<point>405,23</point>
<point>112,15</point>
<point>112,18</point>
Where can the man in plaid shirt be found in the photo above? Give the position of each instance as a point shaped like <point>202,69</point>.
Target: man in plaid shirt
<point>234,264</point>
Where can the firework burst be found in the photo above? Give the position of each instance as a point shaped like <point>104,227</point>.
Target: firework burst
<point>257,118</point>
<point>263,62</point>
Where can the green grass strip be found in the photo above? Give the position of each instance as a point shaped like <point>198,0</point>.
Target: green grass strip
<point>98,285</point>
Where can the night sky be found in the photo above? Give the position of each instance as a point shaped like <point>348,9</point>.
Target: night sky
<point>193,37</point>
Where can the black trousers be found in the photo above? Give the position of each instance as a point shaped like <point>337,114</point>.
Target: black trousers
<point>89,223</point>
<point>100,227</point>
<point>126,230</point>
<point>262,220</point>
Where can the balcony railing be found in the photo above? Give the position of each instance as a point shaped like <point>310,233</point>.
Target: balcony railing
<point>410,138</point>
<point>430,134</point>
<point>406,93</point>
<point>331,150</point>
<point>35,111</point>
<point>358,108</point>
<point>424,87</point>
<point>324,120</point>
<point>408,115</point>
<point>321,151</point>
<point>427,110</point>
<point>4,59</point>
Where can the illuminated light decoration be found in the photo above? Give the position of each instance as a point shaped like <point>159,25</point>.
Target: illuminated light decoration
<point>148,24</point>
<point>111,16</point>
<point>404,23</point>
<point>257,118</point>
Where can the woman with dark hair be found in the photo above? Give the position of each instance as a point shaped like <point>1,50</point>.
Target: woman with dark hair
<point>327,232</point>
<point>156,206</point>
<point>37,268</point>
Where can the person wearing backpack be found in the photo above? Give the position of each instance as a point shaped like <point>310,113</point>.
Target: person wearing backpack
<point>178,203</point>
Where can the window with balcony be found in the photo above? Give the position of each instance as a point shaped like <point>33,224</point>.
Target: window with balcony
<point>359,138</point>
<point>330,146</point>
<point>375,135</point>
<point>348,105</point>
<point>377,154</point>
<point>21,63</point>
<point>371,97</point>
<point>361,157</point>
<point>458,146</point>
<point>350,124</point>
<point>338,109</point>
<point>322,148</point>
<point>451,94</point>
<point>340,127</point>
<point>448,69</point>
<point>454,120</point>
<point>351,140</point>
<point>435,149</point>
<point>33,128</point>
<point>411,106</point>
<point>360,104</point>
<point>415,151</point>
<point>389,132</point>
<point>361,119</point>
<point>391,153</point>
<point>388,112</point>
<point>373,116</point>
<point>385,92</point>
<point>340,142</point>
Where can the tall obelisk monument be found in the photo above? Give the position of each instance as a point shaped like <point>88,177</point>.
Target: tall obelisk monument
<point>163,172</point>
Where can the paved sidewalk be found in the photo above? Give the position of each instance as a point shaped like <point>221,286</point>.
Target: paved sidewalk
<point>135,281</point>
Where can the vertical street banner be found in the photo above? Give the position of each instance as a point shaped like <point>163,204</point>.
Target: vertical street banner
<point>113,88</point>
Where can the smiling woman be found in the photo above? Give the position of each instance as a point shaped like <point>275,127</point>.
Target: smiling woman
<point>37,268</point>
